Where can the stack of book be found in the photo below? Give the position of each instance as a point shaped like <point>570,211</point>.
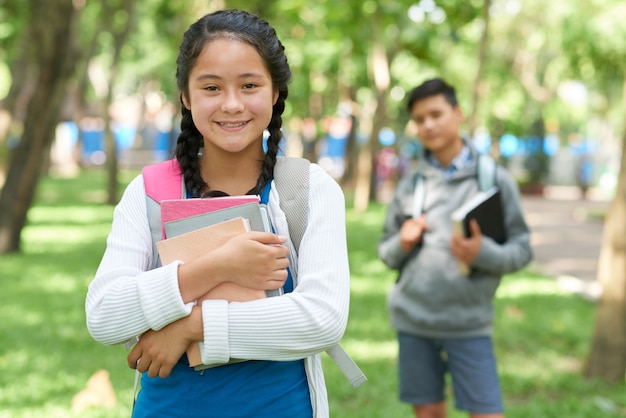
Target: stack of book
<point>192,227</point>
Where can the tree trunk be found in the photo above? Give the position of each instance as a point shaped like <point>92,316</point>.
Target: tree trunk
<point>22,78</point>
<point>351,156</point>
<point>52,40</point>
<point>380,118</point>
<point>479,84</point>
<point>79,91</point>
<point>119,38</point>
<point>365,181</point>
<point>348,105</point>
<point>13,106</point>
<point>607,359</point>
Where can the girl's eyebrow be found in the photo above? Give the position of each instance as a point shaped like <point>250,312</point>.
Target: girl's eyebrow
<point>202,77</point>
<point>207,76</point>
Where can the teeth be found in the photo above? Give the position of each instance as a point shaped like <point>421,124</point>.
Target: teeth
<point>232,125</point>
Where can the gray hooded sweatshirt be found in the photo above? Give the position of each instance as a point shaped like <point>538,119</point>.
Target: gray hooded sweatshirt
<point>432,297</point>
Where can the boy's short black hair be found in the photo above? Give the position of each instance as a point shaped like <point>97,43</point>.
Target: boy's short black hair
<point>430,88</point>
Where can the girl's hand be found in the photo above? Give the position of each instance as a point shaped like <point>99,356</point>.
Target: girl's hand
<point>158,351</point>
<point>256,260</point>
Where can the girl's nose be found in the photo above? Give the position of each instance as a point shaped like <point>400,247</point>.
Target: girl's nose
<point>232,103</point>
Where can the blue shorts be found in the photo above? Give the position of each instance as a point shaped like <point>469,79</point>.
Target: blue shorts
<point>423,363</point>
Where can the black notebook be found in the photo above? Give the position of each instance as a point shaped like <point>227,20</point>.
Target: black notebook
<point>486,208</point>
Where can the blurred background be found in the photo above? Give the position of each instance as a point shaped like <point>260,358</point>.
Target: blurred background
<point>92,83</point>
<point>88,96</point>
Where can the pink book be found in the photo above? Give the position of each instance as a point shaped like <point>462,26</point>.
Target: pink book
<point>175,209</point>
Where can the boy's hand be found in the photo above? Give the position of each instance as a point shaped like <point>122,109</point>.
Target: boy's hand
<point>467,249</point>
<point>411,232</point>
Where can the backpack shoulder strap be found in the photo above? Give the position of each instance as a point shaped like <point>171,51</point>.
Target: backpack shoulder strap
<point>486,172</point>
<point>291,176</point>
<point>419,194</point>
<point>161,181</point>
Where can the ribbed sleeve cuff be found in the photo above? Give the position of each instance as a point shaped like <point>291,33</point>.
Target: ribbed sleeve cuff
<point>159,296</point>
<point>215,348</point>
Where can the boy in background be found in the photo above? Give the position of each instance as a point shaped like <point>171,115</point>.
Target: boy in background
<point>444,317</point>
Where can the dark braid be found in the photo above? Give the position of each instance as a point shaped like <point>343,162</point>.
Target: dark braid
<point>273,141</point>
<point>244,27</point>
<point>187,147</point>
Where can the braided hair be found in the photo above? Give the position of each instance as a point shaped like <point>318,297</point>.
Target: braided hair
<point>254,31</point>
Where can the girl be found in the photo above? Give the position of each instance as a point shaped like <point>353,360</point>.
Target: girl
<point>232,74</point>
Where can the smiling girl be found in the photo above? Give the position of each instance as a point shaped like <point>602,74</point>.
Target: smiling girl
<point>232,74</point>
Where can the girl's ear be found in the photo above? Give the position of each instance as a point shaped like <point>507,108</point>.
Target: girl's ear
<point>275,99</point>
<point>185,101</point>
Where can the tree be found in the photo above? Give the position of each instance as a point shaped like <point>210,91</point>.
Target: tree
<point>604,57</point>
<point>607,359</point>
<point>16,51</point>
<point>479,85</point>
<point>123,17</point>
<point>53,23</point>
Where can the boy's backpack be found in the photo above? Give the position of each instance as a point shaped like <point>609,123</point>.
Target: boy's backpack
<point>485,173</point>
<point>291,176</point>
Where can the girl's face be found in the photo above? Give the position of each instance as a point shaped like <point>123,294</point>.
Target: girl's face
<point>230,97</point>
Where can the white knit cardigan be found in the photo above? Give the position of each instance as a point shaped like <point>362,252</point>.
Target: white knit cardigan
<point>126,298</point>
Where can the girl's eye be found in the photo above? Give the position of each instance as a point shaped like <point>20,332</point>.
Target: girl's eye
<point>211,88</point>
<point>249,86</point>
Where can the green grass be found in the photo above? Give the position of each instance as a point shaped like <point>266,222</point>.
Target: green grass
<point>542,335</point>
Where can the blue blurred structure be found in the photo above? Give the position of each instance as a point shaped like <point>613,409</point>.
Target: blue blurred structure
<point>509,145</point>
<point>155,143</point>
<point>482,142</point>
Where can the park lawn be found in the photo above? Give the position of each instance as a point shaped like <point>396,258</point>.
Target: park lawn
<point>542,335</point>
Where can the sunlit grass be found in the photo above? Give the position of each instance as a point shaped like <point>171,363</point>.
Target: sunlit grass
<point>70,215</point>
<point>46,355</point>
<point>526,286</point>
<point>541,334</point>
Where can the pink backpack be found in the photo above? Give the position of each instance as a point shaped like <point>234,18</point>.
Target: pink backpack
<point>164,180</point>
